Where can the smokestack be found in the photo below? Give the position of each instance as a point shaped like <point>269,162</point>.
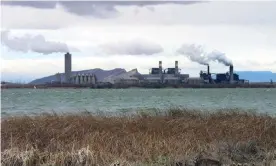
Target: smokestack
<point>176,67</point>
<point>231,73</point>
<point>209,74</point>
<point>68,68</point>
<point>160,71</point>
<point>160,67</point>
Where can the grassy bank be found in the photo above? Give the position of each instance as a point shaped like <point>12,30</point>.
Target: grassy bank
<point>176,136</point>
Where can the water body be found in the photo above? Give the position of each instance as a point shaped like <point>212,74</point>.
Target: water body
<point>37,101</point>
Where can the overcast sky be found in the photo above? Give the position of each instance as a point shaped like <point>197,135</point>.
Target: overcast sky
<point>131,34</point>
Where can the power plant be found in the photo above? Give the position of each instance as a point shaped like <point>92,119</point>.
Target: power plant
<point>78,79</point>
<point>221,78</point>
<point>165,76</point>
<point>157,75</point>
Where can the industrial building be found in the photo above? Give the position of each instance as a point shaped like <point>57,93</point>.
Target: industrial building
<point>77,78</point>
<point>83,79</point>
<point>172,76</point>
<point>132,77</point>
<point>157,75</point>
<point>221,78</point>
<point>165,76</point>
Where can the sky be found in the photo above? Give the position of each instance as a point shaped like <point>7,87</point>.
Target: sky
<point>132,34</point>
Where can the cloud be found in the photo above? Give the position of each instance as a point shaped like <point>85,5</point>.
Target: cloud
<point>132,47</point>
<point>41,15</point>
<point>36,44</point>
<point>99,9</point>
<point>196,53</point>
<point>17,17</point>
<point>241,43</point>
<point>219,57</point>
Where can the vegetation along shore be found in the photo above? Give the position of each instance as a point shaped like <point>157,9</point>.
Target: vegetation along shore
<point>172,137</point>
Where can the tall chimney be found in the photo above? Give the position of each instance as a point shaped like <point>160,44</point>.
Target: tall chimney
<point>209,74</point>
<point>68,67</point>
<point>176,67</point>
<point>231,68</point>
<point>160,71</point>
<point>160,67</point>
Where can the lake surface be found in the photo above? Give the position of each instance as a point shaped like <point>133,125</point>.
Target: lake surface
<point>36,101</point>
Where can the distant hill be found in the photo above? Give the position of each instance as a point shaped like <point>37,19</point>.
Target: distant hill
<point>257,76</point>
<point>8,83</point>
<point>100,74</point>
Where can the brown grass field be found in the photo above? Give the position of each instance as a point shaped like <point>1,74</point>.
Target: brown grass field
<point>175,137</point>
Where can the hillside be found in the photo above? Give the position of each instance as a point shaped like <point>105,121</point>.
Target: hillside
<point>100,74</point>
<point>257,76</point>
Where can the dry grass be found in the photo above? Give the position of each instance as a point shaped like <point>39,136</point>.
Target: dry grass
<point>157,139</point>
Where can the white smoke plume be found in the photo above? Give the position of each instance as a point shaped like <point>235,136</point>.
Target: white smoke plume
<point>32,43</point>
<point>219,57</point>
<point>194,52</point>
<point>197,54</point>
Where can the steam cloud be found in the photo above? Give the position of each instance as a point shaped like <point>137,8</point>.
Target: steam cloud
<point>197,54</point>
<point>194,53</point>
<point>219,57</point>
<point>133,47</point>
<point>32,43</point>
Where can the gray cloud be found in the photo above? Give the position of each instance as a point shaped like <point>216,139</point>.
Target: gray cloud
<point>32,43</point>
<point>41,15</point>
<point>34,4</point>
<point>134,47</point>
<point>100,9</point>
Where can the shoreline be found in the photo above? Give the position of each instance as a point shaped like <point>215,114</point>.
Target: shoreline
<point>148,138</point>
<point>140,86</point>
